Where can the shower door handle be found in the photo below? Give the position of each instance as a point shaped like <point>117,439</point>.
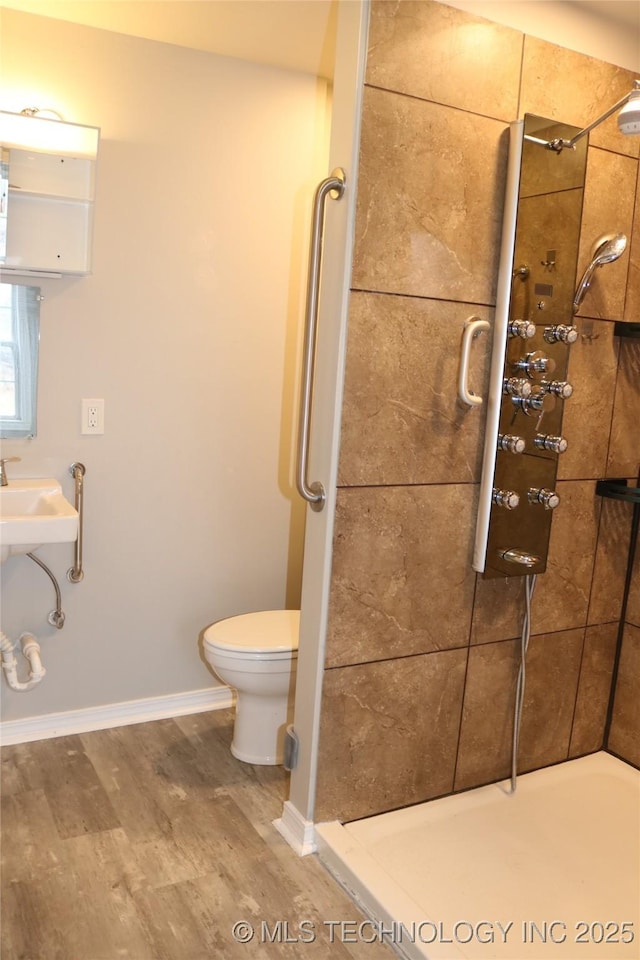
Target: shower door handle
<point>333,186</point>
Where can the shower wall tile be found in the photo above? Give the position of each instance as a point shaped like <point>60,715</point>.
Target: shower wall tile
<point>606,212</point>
<point>402,581</point>
<point>484,750</point>
<point>553,669</point>
<point>624,736</point>
<point>586,421</point>
<point>401,419</point>
<point>624,447</point>
<point>610,568</point>
<point>633,603</point>
<point>473,64</point>
<point>443,218</point>
<point>561,598</point>
<point>594,687</point>
<point>632,303</point>
<point>388,734</point>
<point>498,609</point>
<point>573,88</point>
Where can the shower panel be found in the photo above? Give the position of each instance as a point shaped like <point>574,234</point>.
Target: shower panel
<point>533,334</point>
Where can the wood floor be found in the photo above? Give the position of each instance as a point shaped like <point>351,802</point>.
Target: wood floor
<point>149,842</point>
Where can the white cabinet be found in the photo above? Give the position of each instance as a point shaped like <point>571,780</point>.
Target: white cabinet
<point>50,195</point>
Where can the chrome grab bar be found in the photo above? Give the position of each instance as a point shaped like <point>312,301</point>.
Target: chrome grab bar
<point>333,186</point>
<point>77,470</point>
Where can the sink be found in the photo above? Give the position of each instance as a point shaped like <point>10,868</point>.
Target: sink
<point>32,513</point>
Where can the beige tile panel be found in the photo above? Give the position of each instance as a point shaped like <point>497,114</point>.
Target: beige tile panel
<point>473,64</point>
<point>552,667</point>
<point>586,420</point>
<point>633,603</point>
<point>609,198</point>
<point>484,752</point>
<point>624,736</point>
<point>561,596</point>
<point>632,303</point>
<point>388,734</point>
<point>610,568</point>
<point>594,689</point>
<point>430,197</point>
<point>498,609</point>
<point>623,459</point>
<point>402,581</point>
<point>573,88</point>
<point>401,419</point>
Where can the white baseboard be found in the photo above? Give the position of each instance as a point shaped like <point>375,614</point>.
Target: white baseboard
<point>298,832</point>
<point>114,715</point>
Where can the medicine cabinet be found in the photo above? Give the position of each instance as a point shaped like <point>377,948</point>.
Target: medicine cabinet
<point>47,181</point>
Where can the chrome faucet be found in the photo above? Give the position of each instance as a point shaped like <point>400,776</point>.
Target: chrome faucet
<point>3,473</point>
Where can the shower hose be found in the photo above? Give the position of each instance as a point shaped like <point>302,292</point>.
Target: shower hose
<point>529,587</point>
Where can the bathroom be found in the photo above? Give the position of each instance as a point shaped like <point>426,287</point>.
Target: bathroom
<point>187,523</point>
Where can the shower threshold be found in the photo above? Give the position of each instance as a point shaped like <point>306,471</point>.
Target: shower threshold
<point>552,871</point>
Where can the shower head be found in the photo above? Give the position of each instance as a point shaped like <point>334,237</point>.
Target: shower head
<point>629,116</point>
<point>606,249</point>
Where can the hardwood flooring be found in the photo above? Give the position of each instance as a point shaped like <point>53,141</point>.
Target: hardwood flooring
<point>149,842</point>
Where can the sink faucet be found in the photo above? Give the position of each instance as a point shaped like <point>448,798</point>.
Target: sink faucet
<point>3,473</point>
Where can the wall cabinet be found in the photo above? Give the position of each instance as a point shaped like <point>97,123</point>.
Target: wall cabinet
<point>49,181</point>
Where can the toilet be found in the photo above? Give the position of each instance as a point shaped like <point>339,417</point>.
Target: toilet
<point>256,654</point>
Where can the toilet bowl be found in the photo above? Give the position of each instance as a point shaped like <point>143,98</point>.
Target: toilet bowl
<point>256,654</point>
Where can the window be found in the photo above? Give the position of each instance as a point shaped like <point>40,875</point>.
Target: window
<point>19,332</point>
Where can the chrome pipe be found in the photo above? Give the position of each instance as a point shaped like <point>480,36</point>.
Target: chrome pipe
<point>77,470</point>
<point>334,187</point>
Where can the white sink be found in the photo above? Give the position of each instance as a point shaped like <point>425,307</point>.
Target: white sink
<point>32,513</point>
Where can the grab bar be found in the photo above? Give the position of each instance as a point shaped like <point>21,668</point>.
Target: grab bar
<point>77,470</point>
<point>472,329</point>
<point>333,186</point>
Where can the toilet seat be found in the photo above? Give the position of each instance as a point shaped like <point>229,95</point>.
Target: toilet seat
<point>267,634</point>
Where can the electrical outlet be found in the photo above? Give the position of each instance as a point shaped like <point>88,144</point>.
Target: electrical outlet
<point>92,416</point>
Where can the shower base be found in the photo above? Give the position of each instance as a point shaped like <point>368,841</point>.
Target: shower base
<point>552,871</point>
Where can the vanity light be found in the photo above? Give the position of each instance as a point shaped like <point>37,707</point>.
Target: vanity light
<point>35,129</point>
<point>628,121</point>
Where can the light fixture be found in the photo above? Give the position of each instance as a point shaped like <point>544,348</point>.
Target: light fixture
<point>628,122</point>
<point>45,130</point>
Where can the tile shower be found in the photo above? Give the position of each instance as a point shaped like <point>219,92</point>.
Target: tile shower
<point>422,655</point>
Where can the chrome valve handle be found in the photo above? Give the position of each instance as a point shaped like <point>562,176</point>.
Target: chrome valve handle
<point>561,332</point>
<point>505,498</point>
<point>516,387</point>
<point>561,388</point>
<point>522,328</point>
<point>535,363</point>
<point>548,498</point>
<point>511,444</point>
<point>548,442</point>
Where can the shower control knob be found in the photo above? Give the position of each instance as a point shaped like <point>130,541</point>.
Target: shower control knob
<point>547,442</point>
<point>548,498</point>
<point>522,328</point>
<point>510,443</point>
<point>516,387</point>
<point>561,388</point>
<point>561,332</point>
<point>539,402</point>
<point>535,363</point>
<point>505,498</point>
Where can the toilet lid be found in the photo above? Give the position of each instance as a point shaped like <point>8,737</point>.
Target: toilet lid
<point>267,630</point>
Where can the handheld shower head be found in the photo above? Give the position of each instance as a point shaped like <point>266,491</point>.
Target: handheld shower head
<point>606,249</point>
